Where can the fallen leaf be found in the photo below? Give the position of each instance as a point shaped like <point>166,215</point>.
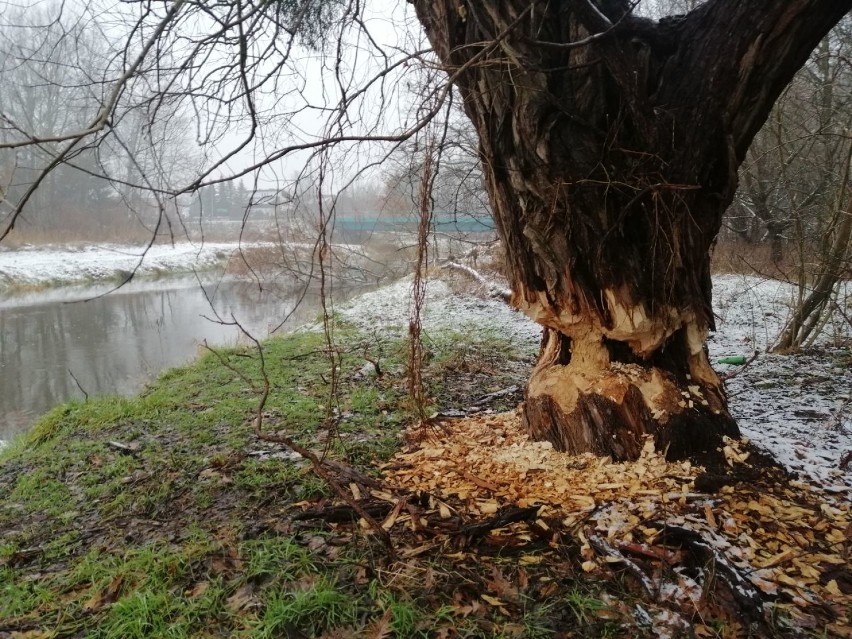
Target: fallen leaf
<point>497,603</point>
<point>381,627</point>
<point>502,587</point>
<point>106,596</point>
<point>197,589</point>
<point>242,599</point>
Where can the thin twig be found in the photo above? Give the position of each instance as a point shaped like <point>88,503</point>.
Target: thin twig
<point>319,466</point>
<point>82,390</point>
<point>730,375</point>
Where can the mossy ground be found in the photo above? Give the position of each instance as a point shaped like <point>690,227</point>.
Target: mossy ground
<point>163,515</point>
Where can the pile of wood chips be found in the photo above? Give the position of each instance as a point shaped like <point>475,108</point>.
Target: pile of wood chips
<point>787,542</point>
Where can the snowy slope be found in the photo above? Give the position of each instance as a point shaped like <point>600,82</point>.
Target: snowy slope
<point>62,265</point>
<point>797,406</point>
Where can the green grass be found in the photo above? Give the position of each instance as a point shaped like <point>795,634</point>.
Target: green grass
<point>187,535</point>
<point>73,502</point>
<point>583,605</point>
<point>276,557</point>
<point>319,607</point>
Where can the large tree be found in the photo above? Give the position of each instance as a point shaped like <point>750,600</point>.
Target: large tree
<point>610,145</point>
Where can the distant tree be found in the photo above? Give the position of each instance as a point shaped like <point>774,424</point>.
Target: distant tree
<point>242,197</point>
<point>55,68</point>
<point>794,166</point>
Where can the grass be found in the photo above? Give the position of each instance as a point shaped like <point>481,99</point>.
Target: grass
<point>185,531</point>
<point>318,607</point>
<point>187,528</point>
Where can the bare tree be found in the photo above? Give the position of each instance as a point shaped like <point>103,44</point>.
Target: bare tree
<point>793,185</point>
<point>55,65</point>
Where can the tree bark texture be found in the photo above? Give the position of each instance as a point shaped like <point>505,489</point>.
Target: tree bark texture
<point>610,145</point>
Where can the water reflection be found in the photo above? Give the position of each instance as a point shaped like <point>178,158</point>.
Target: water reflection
<point>114,344</point>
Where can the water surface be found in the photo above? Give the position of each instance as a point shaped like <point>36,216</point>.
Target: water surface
<point>118,342</point>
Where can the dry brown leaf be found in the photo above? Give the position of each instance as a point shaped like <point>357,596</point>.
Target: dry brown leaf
<point>381,628</point>
<point>197,589</point>
<point>242,599</point>
<point>106,596</point>
<point>523,579</point>
<point>494,601</point>
<point>502,587</point>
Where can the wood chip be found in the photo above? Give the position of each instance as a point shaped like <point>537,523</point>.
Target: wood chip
<point>780,537</point>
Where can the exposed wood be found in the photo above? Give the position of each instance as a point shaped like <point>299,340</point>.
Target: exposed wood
<point>764,540</point>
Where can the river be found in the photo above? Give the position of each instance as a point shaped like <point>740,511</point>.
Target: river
<point>60,343</point>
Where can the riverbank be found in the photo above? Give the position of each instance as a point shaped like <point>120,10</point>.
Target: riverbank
<point>128,516</point>
<point>33,268</point>
<point>165,515</point>
<point>65,343</point>
<point>45,266</point>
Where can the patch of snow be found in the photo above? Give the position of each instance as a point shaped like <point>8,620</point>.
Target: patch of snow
<point>58,265</point>
<point>798,406</point>
<point>387,310</point>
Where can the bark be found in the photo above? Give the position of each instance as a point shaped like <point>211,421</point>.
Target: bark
<point>610,146</point>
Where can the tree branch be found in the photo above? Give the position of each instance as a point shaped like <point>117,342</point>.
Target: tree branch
<point>741,55</point>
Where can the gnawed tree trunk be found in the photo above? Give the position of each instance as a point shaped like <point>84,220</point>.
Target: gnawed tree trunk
<point>610,145</point>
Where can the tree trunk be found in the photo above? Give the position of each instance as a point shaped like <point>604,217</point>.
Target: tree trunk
<point>610,146</point>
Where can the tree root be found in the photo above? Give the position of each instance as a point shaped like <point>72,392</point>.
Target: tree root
<point>746,596</point>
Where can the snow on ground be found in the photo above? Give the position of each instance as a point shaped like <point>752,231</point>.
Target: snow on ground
<point>387,310</point>
<point>64,265</point>
<point>797,406</point>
